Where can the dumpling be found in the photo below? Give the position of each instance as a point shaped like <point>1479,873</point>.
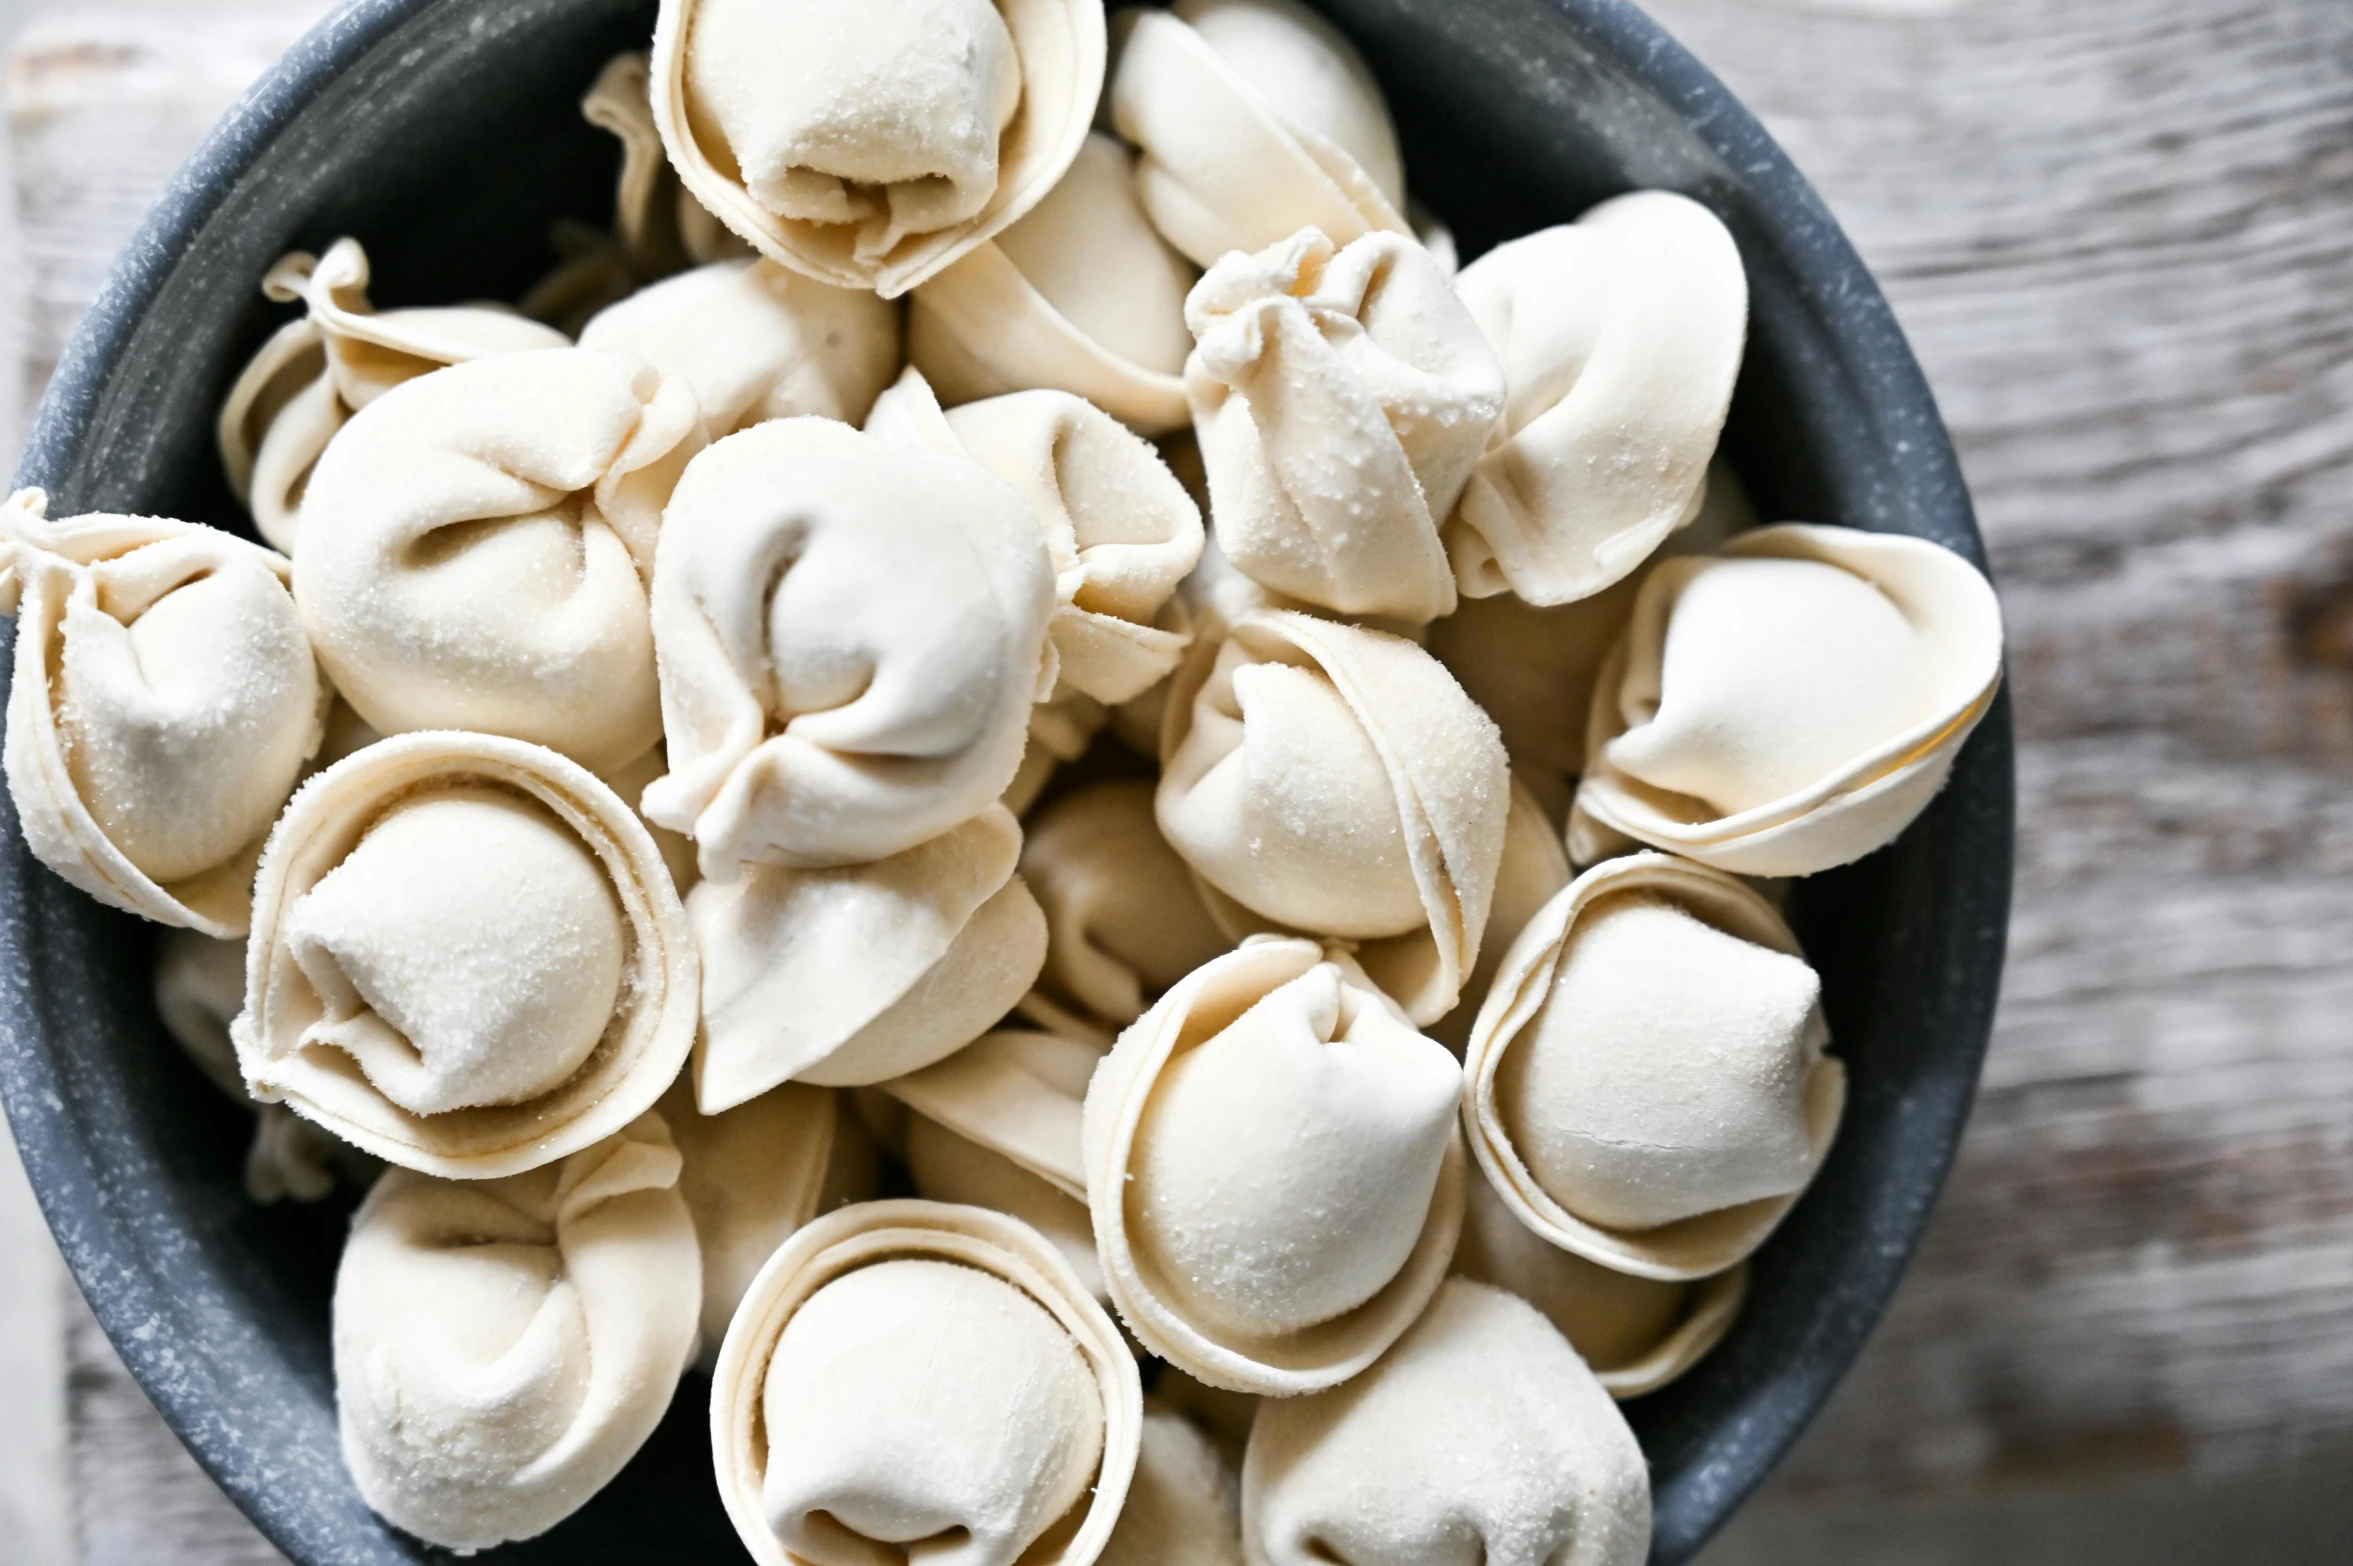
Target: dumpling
<point>1636,1334</point>
<point>850,976</point>
<point>754,1175</point>
<point>483,538</point>
<point>1120,531</point>
<point>658,228</point>
<point>1080,296</point>
<point>1184,1508</point>
<point>315,373</point>
<point>1123,921</point>
<point>1533,669</point>
<point>757,342</point>
<point>504,1346</point>
<point>1533,869</point>
<point>1647,1084</point>
<point>1790,702</point>
<point>996,1125</point>
<point>851,636</point>
<point>467,958</point>
<point>1274,1170</point>
<point>1480,1438</point>
<point>870,143</point>
<point>1333,780</point>
<point>1342,398</point>
<point>164,702</point>
<point>903,1371</point>
<point>1256,119</point>
<point>1620,336</point>
<point>199,989</point>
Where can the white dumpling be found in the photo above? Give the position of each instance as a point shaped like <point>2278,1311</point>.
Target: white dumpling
<point>869,143</point>
<point>1790,702</point>
<point>1481,1439</point>
<point>503,1347</point>
<point>1184,1508</point>
<point>851,636</point>
<point>468,958</point>
<point>314,373</point>
<point>1255,119</point>
<point>1647,1080</point>
<point>1342,397</point>
<point>1637,1334</point>
<point>1533,869</point>
<point>1333,780</point>
<point>757,341</point>
<point>1123,920</point>
<point>1080,296</point>
<point>1620,335</point>
<point>754,1175</point>
<point>164,702</point>
<point>482,543</point>
<point>850,976</point>
<point>913,1371</point>
<point>1276,1197</point>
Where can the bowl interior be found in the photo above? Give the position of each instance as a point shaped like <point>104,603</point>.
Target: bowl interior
<point>444,134</point>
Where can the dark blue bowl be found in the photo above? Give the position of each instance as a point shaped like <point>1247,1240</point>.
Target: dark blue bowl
<point>444,134</point>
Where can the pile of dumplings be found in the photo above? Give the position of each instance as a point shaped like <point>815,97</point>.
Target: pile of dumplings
<point>1013,773</point>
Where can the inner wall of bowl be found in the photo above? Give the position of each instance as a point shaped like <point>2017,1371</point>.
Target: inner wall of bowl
<point>449,149</point>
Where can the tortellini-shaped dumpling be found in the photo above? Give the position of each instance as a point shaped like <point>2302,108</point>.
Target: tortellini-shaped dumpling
<point>1123,920</point>
<point>913,1371</point>
<point>754,1174</point>
<point>1646,1085</point>
<point>503,1347</point>
<point>853,975</point>
<point>1620,336</point>
<point>1481,1437</point>
<point>467,958</point>
<point>1333,780</point>
<point>1533,869</point>
<point>851,634</point>
<point>483,535</point>
<point>314,373</point>
<point>869,143</point>
<point>199,989</point>
<point>1120,530</point>
<point>1184,1508</point>
<point>1256,119</point>
<point>1080,296</point>
<point>1342,398</point>
<point>757,341</point>
<point>1636,1334</point>
<point>1789,703</point>
<point>1274,1170</point>
<point>164,701</point>
<point>996,1125</point>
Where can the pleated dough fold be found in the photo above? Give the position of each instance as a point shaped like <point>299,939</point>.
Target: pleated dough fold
<point>1334,780</point>
<point>1789,703</point>
<point>1480,1437</point>
<point>870,143</point>
<point>908,1370</point>
<point>1342,397</point>
<point>1274,1171</point>
<point>164,701</point>
<point>1647,1084</point>
<point>1620,335</point>
<point>468,958</point>
<point>504,1346</point>
<point>313,374</point>
<point>849,976</point>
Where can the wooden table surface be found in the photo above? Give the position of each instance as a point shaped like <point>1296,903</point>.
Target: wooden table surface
<point>2120,234</point>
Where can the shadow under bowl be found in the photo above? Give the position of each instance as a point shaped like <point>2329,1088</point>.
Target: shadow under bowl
<point>445,134</point>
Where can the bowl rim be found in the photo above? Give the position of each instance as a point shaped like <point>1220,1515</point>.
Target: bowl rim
<point>71,1184</point>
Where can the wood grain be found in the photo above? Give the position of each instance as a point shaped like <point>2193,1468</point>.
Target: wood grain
<point>2120,233</point>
